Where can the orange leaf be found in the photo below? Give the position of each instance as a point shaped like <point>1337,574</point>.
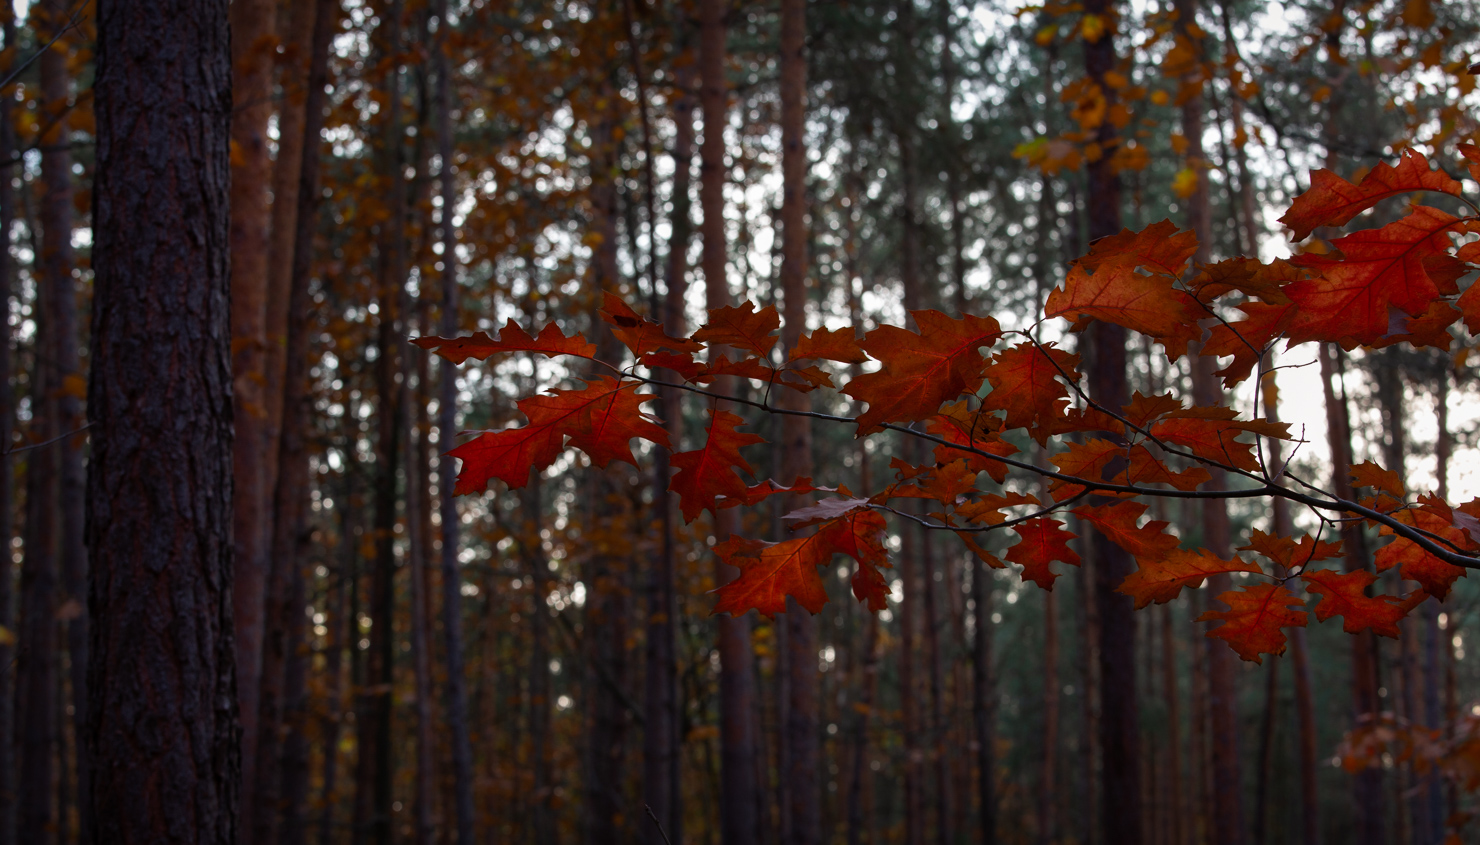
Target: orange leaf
<point>1286,552</point>
<point>1252,624</point>
<point>742,327</point>
<point>1117,523</point>
<point>551,342</point>
<point>769,572</point>
<point>829,345</point>
<point>599,419</point>
<point>1215,439</point>
<point>1043,542</point>
<point>1161,579</point>
<point>1026,384</point>
<point>681,363</point>
<point>1434,575</point>
<point>959,425</point>
<point>861,535</point>
<point>1345,595</point>
<point>1116,293</point>
<point>1376,270</point>
<point>921,371</point>
<point>1332,201</point>
<point>708,474</point>
<point>1368,474</point>
<point>638,333</point>
<point>1246,340</point>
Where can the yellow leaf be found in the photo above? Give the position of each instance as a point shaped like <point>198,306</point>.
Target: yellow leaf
<point>1160,98</point>
<point>1092,28</point>
<point>7,636</point>
<point>1046,35</point>
<point>1185,182</point>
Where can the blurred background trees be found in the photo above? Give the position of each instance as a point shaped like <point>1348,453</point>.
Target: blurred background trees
<point>540,666</point>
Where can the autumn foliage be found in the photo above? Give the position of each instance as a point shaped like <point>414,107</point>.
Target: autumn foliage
<point>963,385</point>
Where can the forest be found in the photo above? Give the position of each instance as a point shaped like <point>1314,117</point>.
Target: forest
<point>740,421</point>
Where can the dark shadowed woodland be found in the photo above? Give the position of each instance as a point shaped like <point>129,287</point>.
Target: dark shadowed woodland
<point>740,423</point>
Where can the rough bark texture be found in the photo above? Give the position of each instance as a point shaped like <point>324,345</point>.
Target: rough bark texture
<point>1119,722</point>
<point>252,54</point>
<point>162,719</point>
<point>739,786</point>
<point>914,787</point>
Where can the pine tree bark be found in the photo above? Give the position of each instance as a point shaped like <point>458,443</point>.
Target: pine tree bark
<point>252,55</point>
<point>457,696</point>
<point>739,783</point>
<point>417,554</point>
<point>162,720</point>
<point>342,634</point>
<point>1119,715</point>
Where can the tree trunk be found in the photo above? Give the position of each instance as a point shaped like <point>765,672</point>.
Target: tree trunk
<point>252,55</point>
<point>1368,797</point>
<point>343,634</point>
<point>8,802</point>
<point>417,552</point>
<point>374,766</point>
<point>56,265</point>
<point>1119,716</point>
<point>162,721</point>
<point>739,784</point>
<point>938,753</point>
<point>457,696</point>
<point>1434,794</point>
<point>983,695</point>
<point>36,685</point>
<point>803,788</point>
<point>295,181</point>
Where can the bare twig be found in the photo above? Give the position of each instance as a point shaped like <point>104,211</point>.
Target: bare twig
<point>60,437</point>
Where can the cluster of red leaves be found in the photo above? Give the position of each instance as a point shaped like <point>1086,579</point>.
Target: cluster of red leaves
<point>954,383</point>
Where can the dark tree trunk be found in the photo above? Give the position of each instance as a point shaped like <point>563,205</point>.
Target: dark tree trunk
<point>252,55</point>
<point>803,787</point>
<point>1119,716</point>
<point>56,264</point>
<point>457,696</point>
<point>343,633</point>
<point>739,784</point>
<point>983,696</point>
<point>162,721</point>
<point>7,469</point>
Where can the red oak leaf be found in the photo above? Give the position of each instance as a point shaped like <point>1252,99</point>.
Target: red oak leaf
<point>551,342</point>
<point>1215,439</point>
<point>742,327</point>
<point>1158,247</point>
<point>1252,624</point>
<point>705,475</point>
<point>1161,579</point>
<point>976,431</point>
<point>1368,474</point>
<point>1026,384</point>
<point>861,535</point>
<point>989,508</point>
<point>1376,270</point>
<point>921,371</point>
<point>1246,340</point>
<point>1288,553</point>
<point>1433,574</point>
<point>1333,201</point>
<point>1117,523</point>
<point>637,333</point>
<point>1043,542</point>
<point>599,419</point>
<point>830,345</point>
<point>1117,293</point>
<point>769,572</point>
<point>1344,595</point>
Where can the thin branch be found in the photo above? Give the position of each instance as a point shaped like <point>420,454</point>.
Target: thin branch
<point>60,437</point>
<point>74,20</point>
